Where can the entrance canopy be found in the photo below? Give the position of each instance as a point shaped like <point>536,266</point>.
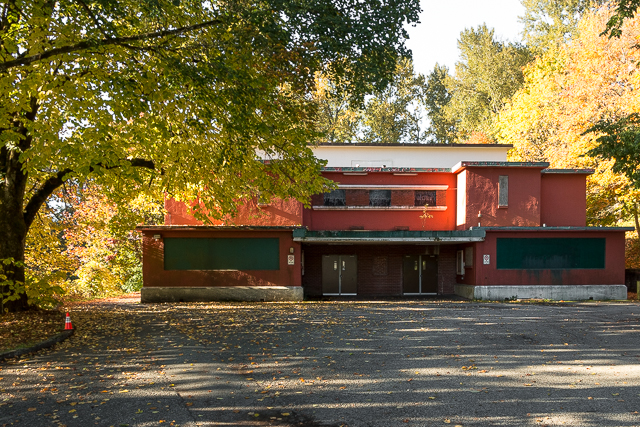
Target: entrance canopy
<point>399,236</point>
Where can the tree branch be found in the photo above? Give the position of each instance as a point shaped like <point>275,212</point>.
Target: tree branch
<point>42,194</point>
<point>95,20</point>
<point>53,182</point>
<point>4,66</point>
<point>626,9</point>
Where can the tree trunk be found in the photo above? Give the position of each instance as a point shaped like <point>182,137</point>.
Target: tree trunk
<point>13,226</point>
<point>19,209</point>
<point>13,234</point>
<point>12,246</point>
<point>635,217</point>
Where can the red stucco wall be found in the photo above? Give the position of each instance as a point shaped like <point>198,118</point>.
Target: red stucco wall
<point>377,220</point>
<point>534,199</point>
<point>388,178</point>
<point>177,213</point>
<point>482,197</point>
<point>278,212</point>
<point>155,275</point>
<point>389,219</point>
<point>563,199</point>
<point>612,274</point>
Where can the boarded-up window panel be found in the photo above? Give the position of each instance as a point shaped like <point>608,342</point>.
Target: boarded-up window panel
<point>317,199</point>
<point>357,197</point>
<point>380,266</point>
<point>335,198</point>
<point>468,256</point>
<point>503,191</point>
<point>402,197</point>
<point>221,254</point>
<point>551,253</point>
<point>425,198</point>
<point>441,198</point>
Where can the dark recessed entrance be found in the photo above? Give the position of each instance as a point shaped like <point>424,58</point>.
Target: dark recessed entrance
<point>419,274</point>
<point>339,275</point>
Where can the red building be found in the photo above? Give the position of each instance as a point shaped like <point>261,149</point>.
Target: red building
<point>405,220</point>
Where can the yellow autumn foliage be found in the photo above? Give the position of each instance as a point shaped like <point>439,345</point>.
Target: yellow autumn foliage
<point>49,265</point>
<point>86,246</point>
<point>569,89</point>
<point>101,237</point>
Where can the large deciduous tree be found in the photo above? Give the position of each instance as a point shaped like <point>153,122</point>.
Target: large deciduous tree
<point>393,115</point>
<point>567,91</point>
<point>176,96</point>
<point>488,73</point>
<point>551,23</point>
<point>339,120</point>
<point>84,244</point>
<point>442,128</point>
<point>618,136</point>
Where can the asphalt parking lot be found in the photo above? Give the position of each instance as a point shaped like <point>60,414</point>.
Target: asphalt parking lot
<point>379,363</point>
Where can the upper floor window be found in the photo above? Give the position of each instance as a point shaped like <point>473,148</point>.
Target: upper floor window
<point>503,191</point>
<point>380,198</point>
<point>425,198</point>
<point>362,197</point>
<point>335,198</point>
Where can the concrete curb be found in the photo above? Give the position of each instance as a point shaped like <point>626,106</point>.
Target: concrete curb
<point>39,346</point>
<point>550,292</point>
<point>149,294</point>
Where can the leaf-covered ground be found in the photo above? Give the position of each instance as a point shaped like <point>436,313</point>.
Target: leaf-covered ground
<point>378,363</point>
<point>19,330</point>
<point>24,329</point>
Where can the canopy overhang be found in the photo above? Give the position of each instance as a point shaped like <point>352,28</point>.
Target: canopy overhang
<point>392,237</point>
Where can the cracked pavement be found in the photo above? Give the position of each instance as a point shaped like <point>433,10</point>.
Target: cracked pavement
<point>353,363</point>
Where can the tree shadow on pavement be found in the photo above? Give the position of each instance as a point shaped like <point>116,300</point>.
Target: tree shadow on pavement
<point>335,363</point>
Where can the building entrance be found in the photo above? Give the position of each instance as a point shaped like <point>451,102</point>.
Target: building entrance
<point>339,275</point>
<point>420,275</point>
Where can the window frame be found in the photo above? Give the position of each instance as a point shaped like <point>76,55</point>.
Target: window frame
<point>432,195</point>
<point>460,262</point>
<point>343,199</point>
<point>503,191</point>
<point>386,200</point>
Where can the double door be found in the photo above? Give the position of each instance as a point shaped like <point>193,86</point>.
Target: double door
<point>339,275</point>
<point>420,274</point>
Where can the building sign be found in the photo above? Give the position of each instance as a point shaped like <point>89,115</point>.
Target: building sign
<point>550,253</point>
<point>291,259</point>
<point>486,259</point>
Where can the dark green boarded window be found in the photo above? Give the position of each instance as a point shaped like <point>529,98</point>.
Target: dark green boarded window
<point>221,254</point>
<point>550,253</point>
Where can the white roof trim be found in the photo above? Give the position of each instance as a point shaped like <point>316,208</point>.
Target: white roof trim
<point>391,187</point>
<point>378,208</point>
<point>386,239</point>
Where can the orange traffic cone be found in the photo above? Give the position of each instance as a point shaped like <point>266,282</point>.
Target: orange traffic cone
<point>67,323</point>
